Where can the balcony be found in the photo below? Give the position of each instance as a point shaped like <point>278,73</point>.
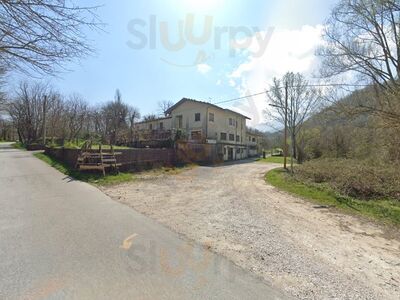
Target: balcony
<point>251,143</point>
<point>153,135</point>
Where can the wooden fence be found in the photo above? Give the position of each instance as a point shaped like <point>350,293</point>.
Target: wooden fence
<point>129,158</point>
<point>138,158</point>
<point>188,152</point>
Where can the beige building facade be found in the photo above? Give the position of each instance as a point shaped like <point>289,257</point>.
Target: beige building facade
<point>202,122</point>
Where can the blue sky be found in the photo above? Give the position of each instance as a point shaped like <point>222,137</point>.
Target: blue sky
<point>146,76</point>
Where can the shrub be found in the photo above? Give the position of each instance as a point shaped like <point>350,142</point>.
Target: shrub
<point>354,178</point>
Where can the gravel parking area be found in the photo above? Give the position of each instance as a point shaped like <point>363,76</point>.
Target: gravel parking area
<point>307,251</point>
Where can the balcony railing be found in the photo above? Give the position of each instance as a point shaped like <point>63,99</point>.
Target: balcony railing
<point>153,135</point>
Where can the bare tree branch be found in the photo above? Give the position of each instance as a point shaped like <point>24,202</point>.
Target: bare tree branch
<point>164,106</point>
<point>363,37</point>
<point>41,35</point>
<point>303,101</point>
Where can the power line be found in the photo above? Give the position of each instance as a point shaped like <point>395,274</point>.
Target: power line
<point>308,85</point>
<point>241,98</point>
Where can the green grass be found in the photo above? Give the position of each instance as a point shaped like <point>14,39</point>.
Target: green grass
<point>18,145</point>
<point>274,159</point>
<point>70,145</point>
<point>93,178</point>
<point>109,179</point>
<point>384,210</point>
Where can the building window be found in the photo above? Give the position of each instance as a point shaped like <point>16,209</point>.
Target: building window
<point>231,122</point>
<point>211,117</point>
<point>231,137</point>
<point>223,136</point>
<point>151,126</point>
<point>195,135</point>
<point>237,138</point>
<point>254,140</point>
<point>224,151</point>
<point>238,150</point>
<point>197,117</point>
<point>161,125</point>
<point>179,121</point>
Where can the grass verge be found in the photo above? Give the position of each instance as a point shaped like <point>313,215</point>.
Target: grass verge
<point>274,159</point>
<point>109,179</point>
<point>18,145</point>
<point>93,178</point>
<point>383,210</point>
<point>78,145</point>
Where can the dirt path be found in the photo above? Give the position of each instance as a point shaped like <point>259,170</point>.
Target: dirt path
<point>310,253</point>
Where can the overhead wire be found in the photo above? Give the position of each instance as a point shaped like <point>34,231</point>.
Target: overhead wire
<point>308,85</point>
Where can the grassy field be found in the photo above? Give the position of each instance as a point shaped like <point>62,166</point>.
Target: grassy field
<point>274,159</point>
<point>384,210</point>
<point>109,179</point>
<point>69,145</point>
<point>18,145</point>
<point>94,178</point>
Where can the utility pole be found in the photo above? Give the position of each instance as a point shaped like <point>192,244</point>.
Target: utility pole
<point>286,117</point>
<point>285,108</point>
<point>292,151</point>
<point>44,119</point>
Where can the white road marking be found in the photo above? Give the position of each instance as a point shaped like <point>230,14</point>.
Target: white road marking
<point>127,243</point>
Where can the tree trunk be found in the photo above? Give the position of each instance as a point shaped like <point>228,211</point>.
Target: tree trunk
<point>20,136</point>
<point>294,146</point>
<point>292,152</point>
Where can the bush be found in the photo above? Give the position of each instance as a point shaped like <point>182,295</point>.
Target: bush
<point>354,178</point>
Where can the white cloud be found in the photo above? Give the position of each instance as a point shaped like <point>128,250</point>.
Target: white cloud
<point>288,50</point>
<point>203,68</point>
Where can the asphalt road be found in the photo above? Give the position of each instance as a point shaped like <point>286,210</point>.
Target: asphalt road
<point>63,239</point>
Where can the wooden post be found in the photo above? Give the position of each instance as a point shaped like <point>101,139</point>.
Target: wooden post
<point>286,117</point>
<point>101,160</point>
<point>115,159</point>
<point>292,154</point>
<point>44,120</point>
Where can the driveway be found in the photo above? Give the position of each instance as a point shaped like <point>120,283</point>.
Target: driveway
<point>308,251</point>
<point>62,239</point>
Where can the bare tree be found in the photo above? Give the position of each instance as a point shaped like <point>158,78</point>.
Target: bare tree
<point>99,123</point>
<point>363,38</point>
<point>149,117</point>
<point>302,102</point>
<point>115,114</point>
<point>164,106</point>
<point>39,35</point>
<point>2,94</point>
<point>56,119</point>
<point>26,111</point>
<point>76,111</point>
<point>133,116</point>
<point>67,118</point>
<point>6,129</point>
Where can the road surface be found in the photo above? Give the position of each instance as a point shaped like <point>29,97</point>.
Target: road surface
<point>306,250</point>
<point>63,239</point>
